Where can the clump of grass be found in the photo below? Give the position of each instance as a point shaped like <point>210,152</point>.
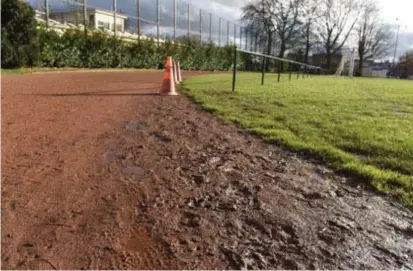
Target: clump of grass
<point>12,71</point>
<point>361,126</point>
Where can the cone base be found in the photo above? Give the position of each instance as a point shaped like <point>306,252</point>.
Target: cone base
<point>168,93</point>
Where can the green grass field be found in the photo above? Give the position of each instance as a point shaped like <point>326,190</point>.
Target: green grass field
<point>360,126</point>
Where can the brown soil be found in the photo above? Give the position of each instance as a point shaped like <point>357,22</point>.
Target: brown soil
<point>99,172</point>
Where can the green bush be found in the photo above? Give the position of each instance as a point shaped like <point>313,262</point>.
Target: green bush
<point>19,43</point>
<point>96,50</point>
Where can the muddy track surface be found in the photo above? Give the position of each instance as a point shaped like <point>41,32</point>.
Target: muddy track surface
<point>98,172</point>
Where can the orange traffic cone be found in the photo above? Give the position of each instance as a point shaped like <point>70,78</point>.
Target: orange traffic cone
<point>179,75</point>
<point>168,84</point>
<point>175,66</point>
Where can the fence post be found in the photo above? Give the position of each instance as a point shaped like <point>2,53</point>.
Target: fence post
<point>46,5</point>
<point>279,70</point>
<point>84,15</point>
<point>256,41</point>
<point>289,71</point>
<point>263,70</point>
<point>174,20</point>
<point>240,37</point>
<point>227,32</point>
<point>219,32</point>
<point>210,27</point>
<point>235,36</point>
<point>246,38</point>
<point>189,20</point>
<point>200,26</point>
<point>251,40</point>
<point>234,72</point>
<point>114,17</point>
<point>138,21</point>
<point>158,23</point>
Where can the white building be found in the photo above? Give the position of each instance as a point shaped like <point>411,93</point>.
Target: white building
<point>96,18</point>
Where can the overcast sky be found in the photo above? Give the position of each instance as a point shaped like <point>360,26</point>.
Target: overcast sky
<point>390,10</point>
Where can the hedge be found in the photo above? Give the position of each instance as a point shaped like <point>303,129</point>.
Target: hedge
<point>24,43</point>
<point>97,50</point>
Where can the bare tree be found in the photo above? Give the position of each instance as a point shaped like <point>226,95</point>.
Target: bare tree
<point>285,16</point>
<point>373,36</point>
<point>279,17</point>
<point>336,23</point>
<point>308,15</point>
<point>257,15</point>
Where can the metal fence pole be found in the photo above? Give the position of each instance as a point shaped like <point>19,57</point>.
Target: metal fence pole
<point>256,41</point>
<point>200,25</point>
<point>158,22</point>
<point>174,20</point>
<point>240,37</point>
<point>227,32</point>
<point>289,71</point>
<point>246,38</point>
<point>263,70</point>
<point>114,16</point>
<point>251,40</point>
<point>234,72</point>
<point>279,71</point>
<point>210,27</point>
<point>219,32</point>
<point>189,20</point>
<point>85,15</point>
<point>46,4</point>
<point>235,35</point>
<point>138,21</point>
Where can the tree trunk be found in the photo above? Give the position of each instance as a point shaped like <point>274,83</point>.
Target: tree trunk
<point>361,56</point>
<point>307,44</point>
<point>269,46</point>
<point>282,49</point>
<point>282,52</point>
<point>328,57</point>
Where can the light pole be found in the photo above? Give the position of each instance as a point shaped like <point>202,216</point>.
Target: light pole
<point>397,41</point>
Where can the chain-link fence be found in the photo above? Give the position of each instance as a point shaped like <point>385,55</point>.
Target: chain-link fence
<point>174,20</point>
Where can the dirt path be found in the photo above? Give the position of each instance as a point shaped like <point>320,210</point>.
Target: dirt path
<point>99,173</point>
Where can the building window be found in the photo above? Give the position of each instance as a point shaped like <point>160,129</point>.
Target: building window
<point>118,27</point>
<point>103,25</point>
